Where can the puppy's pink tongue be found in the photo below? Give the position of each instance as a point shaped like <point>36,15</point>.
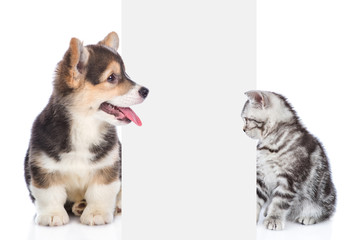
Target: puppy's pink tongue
<point>131,115</point>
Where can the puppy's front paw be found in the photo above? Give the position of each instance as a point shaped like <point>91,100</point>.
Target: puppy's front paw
<point>92,216</point>
<point>79,207</point>
<point>53,218</point>
<point>118,211</point>
<point>273,223</point>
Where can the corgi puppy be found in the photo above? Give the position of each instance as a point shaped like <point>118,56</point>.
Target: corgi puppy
<point>73,162</point>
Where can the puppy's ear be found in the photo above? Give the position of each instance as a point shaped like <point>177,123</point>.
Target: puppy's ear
<point>111,40</point>
<point>77,60</point>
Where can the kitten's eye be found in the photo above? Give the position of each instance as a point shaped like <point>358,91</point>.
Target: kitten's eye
<point>112,78</point>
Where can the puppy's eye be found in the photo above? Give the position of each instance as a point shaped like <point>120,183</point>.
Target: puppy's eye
<point>112,78</point>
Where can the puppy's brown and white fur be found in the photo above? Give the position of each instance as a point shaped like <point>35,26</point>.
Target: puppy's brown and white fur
<point>74,157</point>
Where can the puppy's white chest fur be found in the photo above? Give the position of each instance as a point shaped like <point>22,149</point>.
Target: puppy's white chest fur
<point>76,167</point>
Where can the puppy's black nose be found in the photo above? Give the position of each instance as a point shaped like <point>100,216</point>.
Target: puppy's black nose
<point>143,92</point>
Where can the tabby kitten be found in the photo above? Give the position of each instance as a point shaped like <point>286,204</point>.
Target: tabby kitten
<point>293,174</point>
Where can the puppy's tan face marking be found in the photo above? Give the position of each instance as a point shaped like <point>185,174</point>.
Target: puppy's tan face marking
<point>113,68</point>
<point>90,97</point>
<point>93,81</point>
<point>107,91</point>
<point>114,79</point>
<point>103,80</point>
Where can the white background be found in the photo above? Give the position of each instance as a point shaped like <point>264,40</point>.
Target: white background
<point>309,51</point>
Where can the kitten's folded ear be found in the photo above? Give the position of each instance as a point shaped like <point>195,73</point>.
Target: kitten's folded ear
<point>258,98</point>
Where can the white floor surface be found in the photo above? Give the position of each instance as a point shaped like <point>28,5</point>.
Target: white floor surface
<point>23,227</point>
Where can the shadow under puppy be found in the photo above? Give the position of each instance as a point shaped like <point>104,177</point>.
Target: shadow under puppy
<point>74,156</point>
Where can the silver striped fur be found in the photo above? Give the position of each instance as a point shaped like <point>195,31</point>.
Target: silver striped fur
<point>293,175</point>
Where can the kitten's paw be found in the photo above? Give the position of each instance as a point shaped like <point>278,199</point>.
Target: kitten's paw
<point>92,216</point>
<point>273,223</point>
<point>265,214</point>
<point>306,220</point>
<point>258,212</point>
<point>54,218</point>
<point>79,207</point>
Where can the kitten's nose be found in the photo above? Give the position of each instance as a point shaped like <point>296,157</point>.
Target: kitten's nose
<point>244,130</point>
<point>143,92</point>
